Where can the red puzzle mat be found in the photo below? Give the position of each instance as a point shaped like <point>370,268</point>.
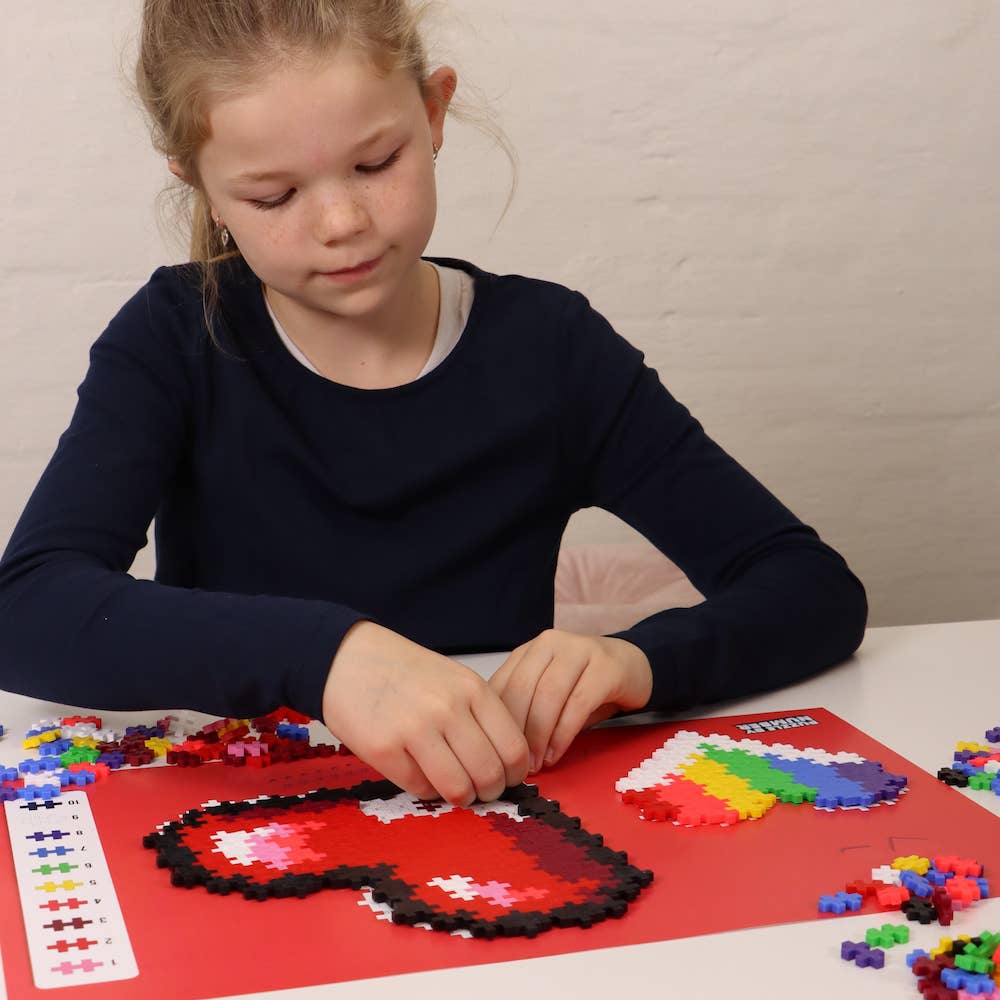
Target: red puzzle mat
<point>708,878</point>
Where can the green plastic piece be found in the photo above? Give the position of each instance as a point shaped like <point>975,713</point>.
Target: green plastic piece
<point>887,936</point>
<point>79,755</point>
<point>973,963</point>
<point>762,775</point>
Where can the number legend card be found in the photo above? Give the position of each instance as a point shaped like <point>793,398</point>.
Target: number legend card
<point>73,923</point>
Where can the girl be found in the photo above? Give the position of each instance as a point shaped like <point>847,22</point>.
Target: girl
<point>361,460</point>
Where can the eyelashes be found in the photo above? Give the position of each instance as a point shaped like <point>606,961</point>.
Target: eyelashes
<point>266,206</point>
<point>384,165</point>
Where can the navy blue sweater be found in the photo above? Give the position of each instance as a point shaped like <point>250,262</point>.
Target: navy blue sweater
<point>288,507</point>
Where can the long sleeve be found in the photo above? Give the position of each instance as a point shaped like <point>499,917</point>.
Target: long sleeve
<point>288,507</point>
<point>780,604</point>
<point>74,626</point>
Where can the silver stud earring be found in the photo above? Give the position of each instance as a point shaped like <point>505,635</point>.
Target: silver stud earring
<point>436,150</point>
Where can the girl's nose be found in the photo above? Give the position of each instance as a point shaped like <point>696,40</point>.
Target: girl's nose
<point>342,214</point>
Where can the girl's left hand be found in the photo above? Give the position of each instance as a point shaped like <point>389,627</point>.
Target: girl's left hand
<point>560,682</point>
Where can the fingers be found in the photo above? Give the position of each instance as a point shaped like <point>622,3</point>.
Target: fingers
<point>518,684</point>
<point>464,763</point>
<point>429,724</point>
<point>560,683</point>
<point>484,774</point>
<point>557,687</point>
<point>505,736</point>
<point>402,770</point>
<point>586,706</point>
<point>512,696</point>
<point>536,682</point>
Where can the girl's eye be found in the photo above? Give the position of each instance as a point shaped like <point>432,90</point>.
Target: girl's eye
<point>384,165</point>
<point>265,205</point>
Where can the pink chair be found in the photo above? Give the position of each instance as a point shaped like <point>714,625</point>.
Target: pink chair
<point>606,588</point>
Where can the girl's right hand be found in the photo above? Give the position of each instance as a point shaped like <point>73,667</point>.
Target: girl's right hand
<point>429,724</point>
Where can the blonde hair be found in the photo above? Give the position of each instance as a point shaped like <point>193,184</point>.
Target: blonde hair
<point>195,52</point>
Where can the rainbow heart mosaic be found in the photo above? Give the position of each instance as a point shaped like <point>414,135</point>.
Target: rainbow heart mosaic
<point>698,780</point>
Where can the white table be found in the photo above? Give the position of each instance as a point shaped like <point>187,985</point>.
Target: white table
<point>898,678</point>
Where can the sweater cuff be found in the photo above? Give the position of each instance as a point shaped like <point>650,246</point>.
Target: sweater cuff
<point>306,684</point>
<point>672,640</point>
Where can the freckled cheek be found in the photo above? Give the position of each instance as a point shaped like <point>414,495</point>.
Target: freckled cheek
<point>411,201</point>
<point>278,233</point>
<point>274,238</point>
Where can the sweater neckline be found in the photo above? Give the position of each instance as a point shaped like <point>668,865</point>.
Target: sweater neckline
<point>256,332</point>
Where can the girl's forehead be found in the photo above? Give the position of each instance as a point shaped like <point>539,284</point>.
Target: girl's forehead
<point>341,95</point>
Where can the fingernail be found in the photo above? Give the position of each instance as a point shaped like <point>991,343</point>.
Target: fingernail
<point>549,756</point>
<point>531,764</point>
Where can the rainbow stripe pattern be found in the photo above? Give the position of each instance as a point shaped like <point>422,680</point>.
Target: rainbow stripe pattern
<point>698,780</point>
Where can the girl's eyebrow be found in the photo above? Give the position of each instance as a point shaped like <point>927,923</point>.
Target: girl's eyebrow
<point>267,175</point>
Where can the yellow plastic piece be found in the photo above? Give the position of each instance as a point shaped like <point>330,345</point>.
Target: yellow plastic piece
<point>946,944</point>
<point>975,747</point>
<point>912,863</point>
<point>85,741</point>
<point>159,746</point>
<point>736,792</point>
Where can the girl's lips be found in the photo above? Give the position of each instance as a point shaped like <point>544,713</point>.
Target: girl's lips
<point>355,273</point>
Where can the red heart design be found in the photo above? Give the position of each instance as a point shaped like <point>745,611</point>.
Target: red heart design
<point>516,866</point>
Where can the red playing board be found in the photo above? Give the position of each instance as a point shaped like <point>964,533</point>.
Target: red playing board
<point>708,879</point>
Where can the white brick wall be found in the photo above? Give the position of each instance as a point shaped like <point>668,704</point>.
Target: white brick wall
<point>791,207</point>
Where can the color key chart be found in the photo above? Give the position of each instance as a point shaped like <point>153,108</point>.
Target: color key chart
<point>73,922</point>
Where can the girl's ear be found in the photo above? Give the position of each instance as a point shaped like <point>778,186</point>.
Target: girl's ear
<point>439,88</point>
<point>175,168</point>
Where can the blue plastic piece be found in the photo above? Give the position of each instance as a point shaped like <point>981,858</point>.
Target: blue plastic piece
<point>832,789</point>
<point>149,732</point>
<point>971,982</point>
<point>840,903</point>
<point>290,731</point>
<point>938,878</point>
<point>31,792</point>
<point>917,884</point>
<point>914,955</point>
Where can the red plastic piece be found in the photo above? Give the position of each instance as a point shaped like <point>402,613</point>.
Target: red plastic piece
<point>943,905</point>
<point>99,771</point>
<point>963,891</point>
<point>681,802</point>
<point>891,896</point>
<point>863,887</point>
<point>960,866</point>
